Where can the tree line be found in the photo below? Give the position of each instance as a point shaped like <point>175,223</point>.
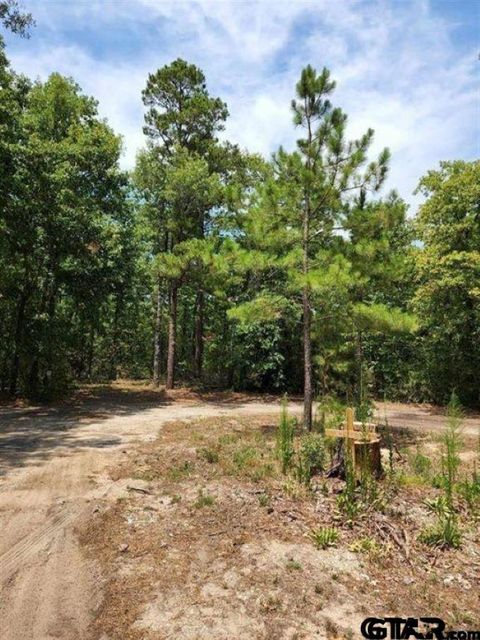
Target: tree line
<point>209,264</point>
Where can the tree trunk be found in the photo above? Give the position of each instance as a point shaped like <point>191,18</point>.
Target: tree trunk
<point>307,355</point>
<point>115,335</point>
<point>307,311</point>
<point>198,356</point>
<point>307,333</point>
<point>157,339</point>
<point>91,351</point>
<point>172,335</point>
<point>359,359</point>
<point>17,340</point>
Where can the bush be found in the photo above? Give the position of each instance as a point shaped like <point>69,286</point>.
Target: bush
<point>310,457</point>
<point>285,434</point>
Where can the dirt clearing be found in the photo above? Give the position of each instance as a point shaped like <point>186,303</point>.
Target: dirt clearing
<point>208,540</point>
<point>54,482</point>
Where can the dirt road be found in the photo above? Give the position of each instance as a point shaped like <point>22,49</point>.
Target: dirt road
<point>53,474</point>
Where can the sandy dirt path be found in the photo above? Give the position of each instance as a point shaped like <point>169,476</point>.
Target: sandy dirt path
<point>53,474</point>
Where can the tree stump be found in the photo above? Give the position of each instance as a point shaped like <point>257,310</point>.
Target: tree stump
<point>363,445</point>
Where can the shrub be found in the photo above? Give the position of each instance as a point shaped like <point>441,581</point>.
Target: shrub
<point>451,447</point>
<point>310,457</point>
<point>285,434</point>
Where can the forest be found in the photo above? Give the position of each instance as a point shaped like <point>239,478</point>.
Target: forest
<point>239,392</point>
<point>209,265</point>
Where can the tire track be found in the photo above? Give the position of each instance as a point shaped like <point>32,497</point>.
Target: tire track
<point>31,544</point>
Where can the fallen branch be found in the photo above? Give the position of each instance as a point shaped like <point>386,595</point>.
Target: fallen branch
<point>139,490</point>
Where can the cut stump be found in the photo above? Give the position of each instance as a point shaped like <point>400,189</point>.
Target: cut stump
<point>362,442</point>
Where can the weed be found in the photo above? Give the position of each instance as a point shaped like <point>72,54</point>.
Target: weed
<point>180,471</point>
<point>324,537</point>
<point>204,500</point>
<point>347,502</point>
<point>444,534</point>
<point>370,547</point>
<point>293,565</point>
<point>175,499</point>
<point>285,434</point>
<point>243,456</point>
<point>208,454</point>
<point>439,506</point>
<point>330,414</point>
<point>264,500</point>
<point>261,472</point>
<point>228,438</point>
<point>411,480</point>
<point>421,464</point>
<point>310,457</point>
<point>271,603</point>
<point>451,444</point>
<point>469,489</point>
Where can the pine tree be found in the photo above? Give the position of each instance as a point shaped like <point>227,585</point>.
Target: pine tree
<point>301,205</point>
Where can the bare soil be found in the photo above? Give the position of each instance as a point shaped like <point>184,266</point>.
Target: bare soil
<point>67,470</point>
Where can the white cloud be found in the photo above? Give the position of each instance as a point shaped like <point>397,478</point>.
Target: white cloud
<point>397,68</point>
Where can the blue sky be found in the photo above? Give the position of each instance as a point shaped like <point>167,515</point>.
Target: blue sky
<point>407,68</point>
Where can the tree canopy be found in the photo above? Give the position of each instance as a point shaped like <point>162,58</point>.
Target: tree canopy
<point>207,264</point>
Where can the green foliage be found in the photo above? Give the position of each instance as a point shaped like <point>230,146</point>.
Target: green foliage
<point>447,300</point>
<point>368,546</point>
<point>310,457</point>
<point>14,19</point>
<point>209,455</point>
<point>469,489</point>
<point>347,500</point>
<point>324,537</point>
<point>203,500</point>
<point>444,534</point>
<point>285,435</point>
<point>451,448</point>
<point>209,259</point>
<point>421,464</point>
<point>446,531</point>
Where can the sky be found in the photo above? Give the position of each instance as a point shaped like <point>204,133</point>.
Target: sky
<point>407,68</point>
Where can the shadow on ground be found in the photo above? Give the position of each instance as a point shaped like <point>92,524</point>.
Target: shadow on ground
<point>30,435</point>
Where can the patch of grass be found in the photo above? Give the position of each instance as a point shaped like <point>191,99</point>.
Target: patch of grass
<point>203,500</point>
<point>444,534</point>
<point>209,455</point>
<point>244,456</point>
<point>370,547</point>
<point>410,480</point>
<point>324,537</point>
<point>181,471</point>
<point>469,489</point>
<point>264,500</point>
<point>293,565</point>
<point>421,464</point>
<point>227,439</point>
